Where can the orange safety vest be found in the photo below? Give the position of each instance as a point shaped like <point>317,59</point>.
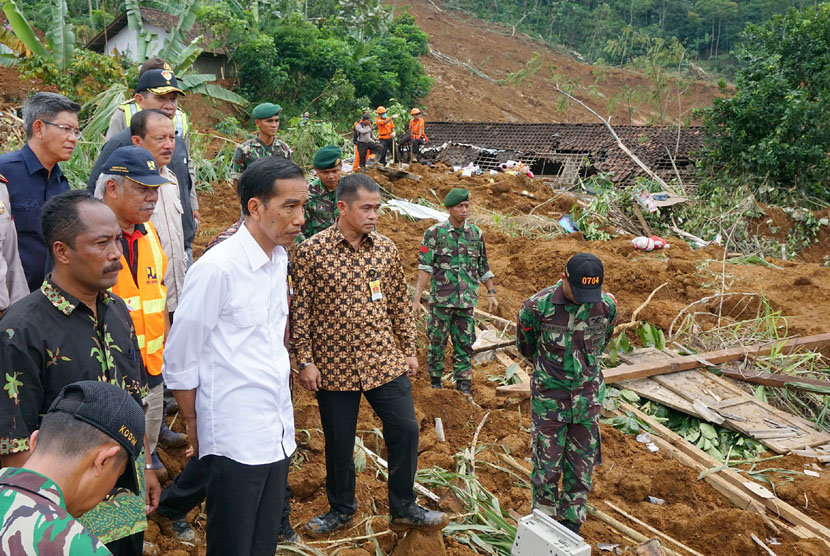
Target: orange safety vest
<point>416,129</point>
<point>146,300</point>
<point>385,127</point>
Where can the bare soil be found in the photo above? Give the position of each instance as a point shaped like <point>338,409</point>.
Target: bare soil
<point>693,512</point>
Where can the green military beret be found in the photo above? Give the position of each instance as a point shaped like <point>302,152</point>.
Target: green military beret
<point>266,110</point>
<point>327,157</point>
<point>457,195</point>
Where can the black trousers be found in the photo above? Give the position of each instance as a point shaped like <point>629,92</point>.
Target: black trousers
<point>392,402</point>
<point>385,148</point>
<point>128,546</point>
<point>363,147</point>
<point>416,149</point>
<point>188,490</point>
<point>244,506</point>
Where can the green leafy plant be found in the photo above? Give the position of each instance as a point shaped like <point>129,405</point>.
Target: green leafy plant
<point>652,336</point>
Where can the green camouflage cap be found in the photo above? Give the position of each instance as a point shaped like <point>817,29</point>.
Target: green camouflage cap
<point>266,110</point>
<point>457,195</point>
<point>327,157</point>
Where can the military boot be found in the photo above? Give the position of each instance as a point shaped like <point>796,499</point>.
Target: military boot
<point>463,385</point>
<point>435,382</point>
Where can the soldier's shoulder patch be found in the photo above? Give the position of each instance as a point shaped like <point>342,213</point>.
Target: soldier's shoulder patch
<point>424,249</point>
<point>614,299</point>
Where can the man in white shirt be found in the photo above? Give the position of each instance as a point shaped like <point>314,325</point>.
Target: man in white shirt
<point>227,364</point>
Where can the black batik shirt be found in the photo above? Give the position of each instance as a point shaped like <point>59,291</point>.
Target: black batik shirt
<point>50,339</point>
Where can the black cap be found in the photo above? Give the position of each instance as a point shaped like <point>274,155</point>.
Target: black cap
<point>111,410</point>
<point>135,163</point>
<point>585,273</point>
<point>158,82</point>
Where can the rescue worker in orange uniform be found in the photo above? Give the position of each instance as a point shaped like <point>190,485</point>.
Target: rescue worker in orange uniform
<point>131,191</point>
<point>416,134</point>
<point>386,133</point>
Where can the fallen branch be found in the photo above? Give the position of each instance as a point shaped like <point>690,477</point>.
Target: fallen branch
<point>653,530</point>
<point>475,442</point>
<point>352,539</point>
<point>620,144</point>
<point>634,321</point>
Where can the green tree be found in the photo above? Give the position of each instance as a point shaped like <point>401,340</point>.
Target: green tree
<point>777,126</point>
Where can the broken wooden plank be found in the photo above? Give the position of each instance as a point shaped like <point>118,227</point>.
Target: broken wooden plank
<point>652,529</point>
<point>778,380</point>
<point>502,324</point>
<point>397,173</point>
<point>492,347</point>
<point>731,482</point>
<point>686,362</point>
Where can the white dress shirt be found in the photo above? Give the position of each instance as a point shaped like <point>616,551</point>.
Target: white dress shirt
<point>227,342</point>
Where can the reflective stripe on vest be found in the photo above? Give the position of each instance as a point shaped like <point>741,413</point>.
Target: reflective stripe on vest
<point>146,299</point>
<point>130,109</point>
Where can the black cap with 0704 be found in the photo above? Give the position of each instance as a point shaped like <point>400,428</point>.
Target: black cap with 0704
<point>111,410</point>
<point>585,273</point>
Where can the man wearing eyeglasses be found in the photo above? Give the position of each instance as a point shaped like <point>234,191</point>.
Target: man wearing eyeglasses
<point>34,175</point>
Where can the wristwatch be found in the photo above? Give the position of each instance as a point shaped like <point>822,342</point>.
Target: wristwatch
<point>148,466</point>
<point>302,366</point>
<point>492,291</point>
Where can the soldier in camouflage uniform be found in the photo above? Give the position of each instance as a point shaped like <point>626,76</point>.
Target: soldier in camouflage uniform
<point>88,449</point>
<point>261,145</point>
<point>454,257</point>
<point>563,330</point>
<point>321,209</point>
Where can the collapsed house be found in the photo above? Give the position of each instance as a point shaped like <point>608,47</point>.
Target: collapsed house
<point>565,152</point>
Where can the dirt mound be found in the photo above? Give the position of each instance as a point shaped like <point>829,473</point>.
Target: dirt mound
<point>496,51</point>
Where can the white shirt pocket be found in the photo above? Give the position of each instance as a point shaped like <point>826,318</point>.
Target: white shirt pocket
<point>252,315</point>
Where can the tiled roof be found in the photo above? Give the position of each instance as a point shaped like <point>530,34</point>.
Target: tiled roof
<point>656,146</point>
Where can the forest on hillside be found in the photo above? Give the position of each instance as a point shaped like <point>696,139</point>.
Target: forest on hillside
<point>616,31</point>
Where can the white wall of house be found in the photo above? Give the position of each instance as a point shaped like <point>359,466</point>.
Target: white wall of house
<point>126,42</point>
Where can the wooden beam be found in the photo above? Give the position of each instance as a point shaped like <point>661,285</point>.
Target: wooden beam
<point>502,324</point>
<point>687,362</point>
<point>729,482</point>
<point>492,347</point>
<point>778,380</point>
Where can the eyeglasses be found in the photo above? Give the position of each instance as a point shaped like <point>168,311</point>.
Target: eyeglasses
<point>67,130</point>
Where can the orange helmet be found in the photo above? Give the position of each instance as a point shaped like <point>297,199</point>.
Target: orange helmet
<point>415,111</point>
<point>381,109</point>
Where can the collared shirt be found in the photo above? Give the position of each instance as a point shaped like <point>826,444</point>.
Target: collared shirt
<point>129,246</point>
<point>254,149</point>
<point>357,343</point>
<point>50,339</point>
<point>13,284</point>
<point>457,260</point>
<point>565,341</point>
<point>34,520</point>
<point>167,220</point>
<point>227,342</point>
<point>321,209</point>
<point>30,186</point>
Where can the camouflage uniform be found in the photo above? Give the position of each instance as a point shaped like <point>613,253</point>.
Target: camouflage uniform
<point>565,340</point>
<point>34,520</point>
<point>254,149</point>
<point>246,153</point>
<point>320,211</point>
<point>457,260</point>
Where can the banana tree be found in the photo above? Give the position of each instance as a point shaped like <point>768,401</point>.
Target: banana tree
<point>60,40</point>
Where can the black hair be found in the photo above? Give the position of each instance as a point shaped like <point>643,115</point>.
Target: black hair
<point>138,123</point>
<point>62,435</point>
<point>46,105</point>
<point>59,219</point>
<point>260,178</point>
<point>348,186</point>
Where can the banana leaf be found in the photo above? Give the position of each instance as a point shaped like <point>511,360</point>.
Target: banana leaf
<point>220,93</point>
<point>22,30</point>
<point>60,35</point>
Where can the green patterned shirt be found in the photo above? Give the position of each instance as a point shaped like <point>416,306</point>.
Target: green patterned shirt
<point>320,211</point>
<point>34,520</point>
<point>457,260</point>
<point>254,149</point>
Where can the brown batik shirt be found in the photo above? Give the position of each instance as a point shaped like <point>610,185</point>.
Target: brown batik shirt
<point>357,343</point>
